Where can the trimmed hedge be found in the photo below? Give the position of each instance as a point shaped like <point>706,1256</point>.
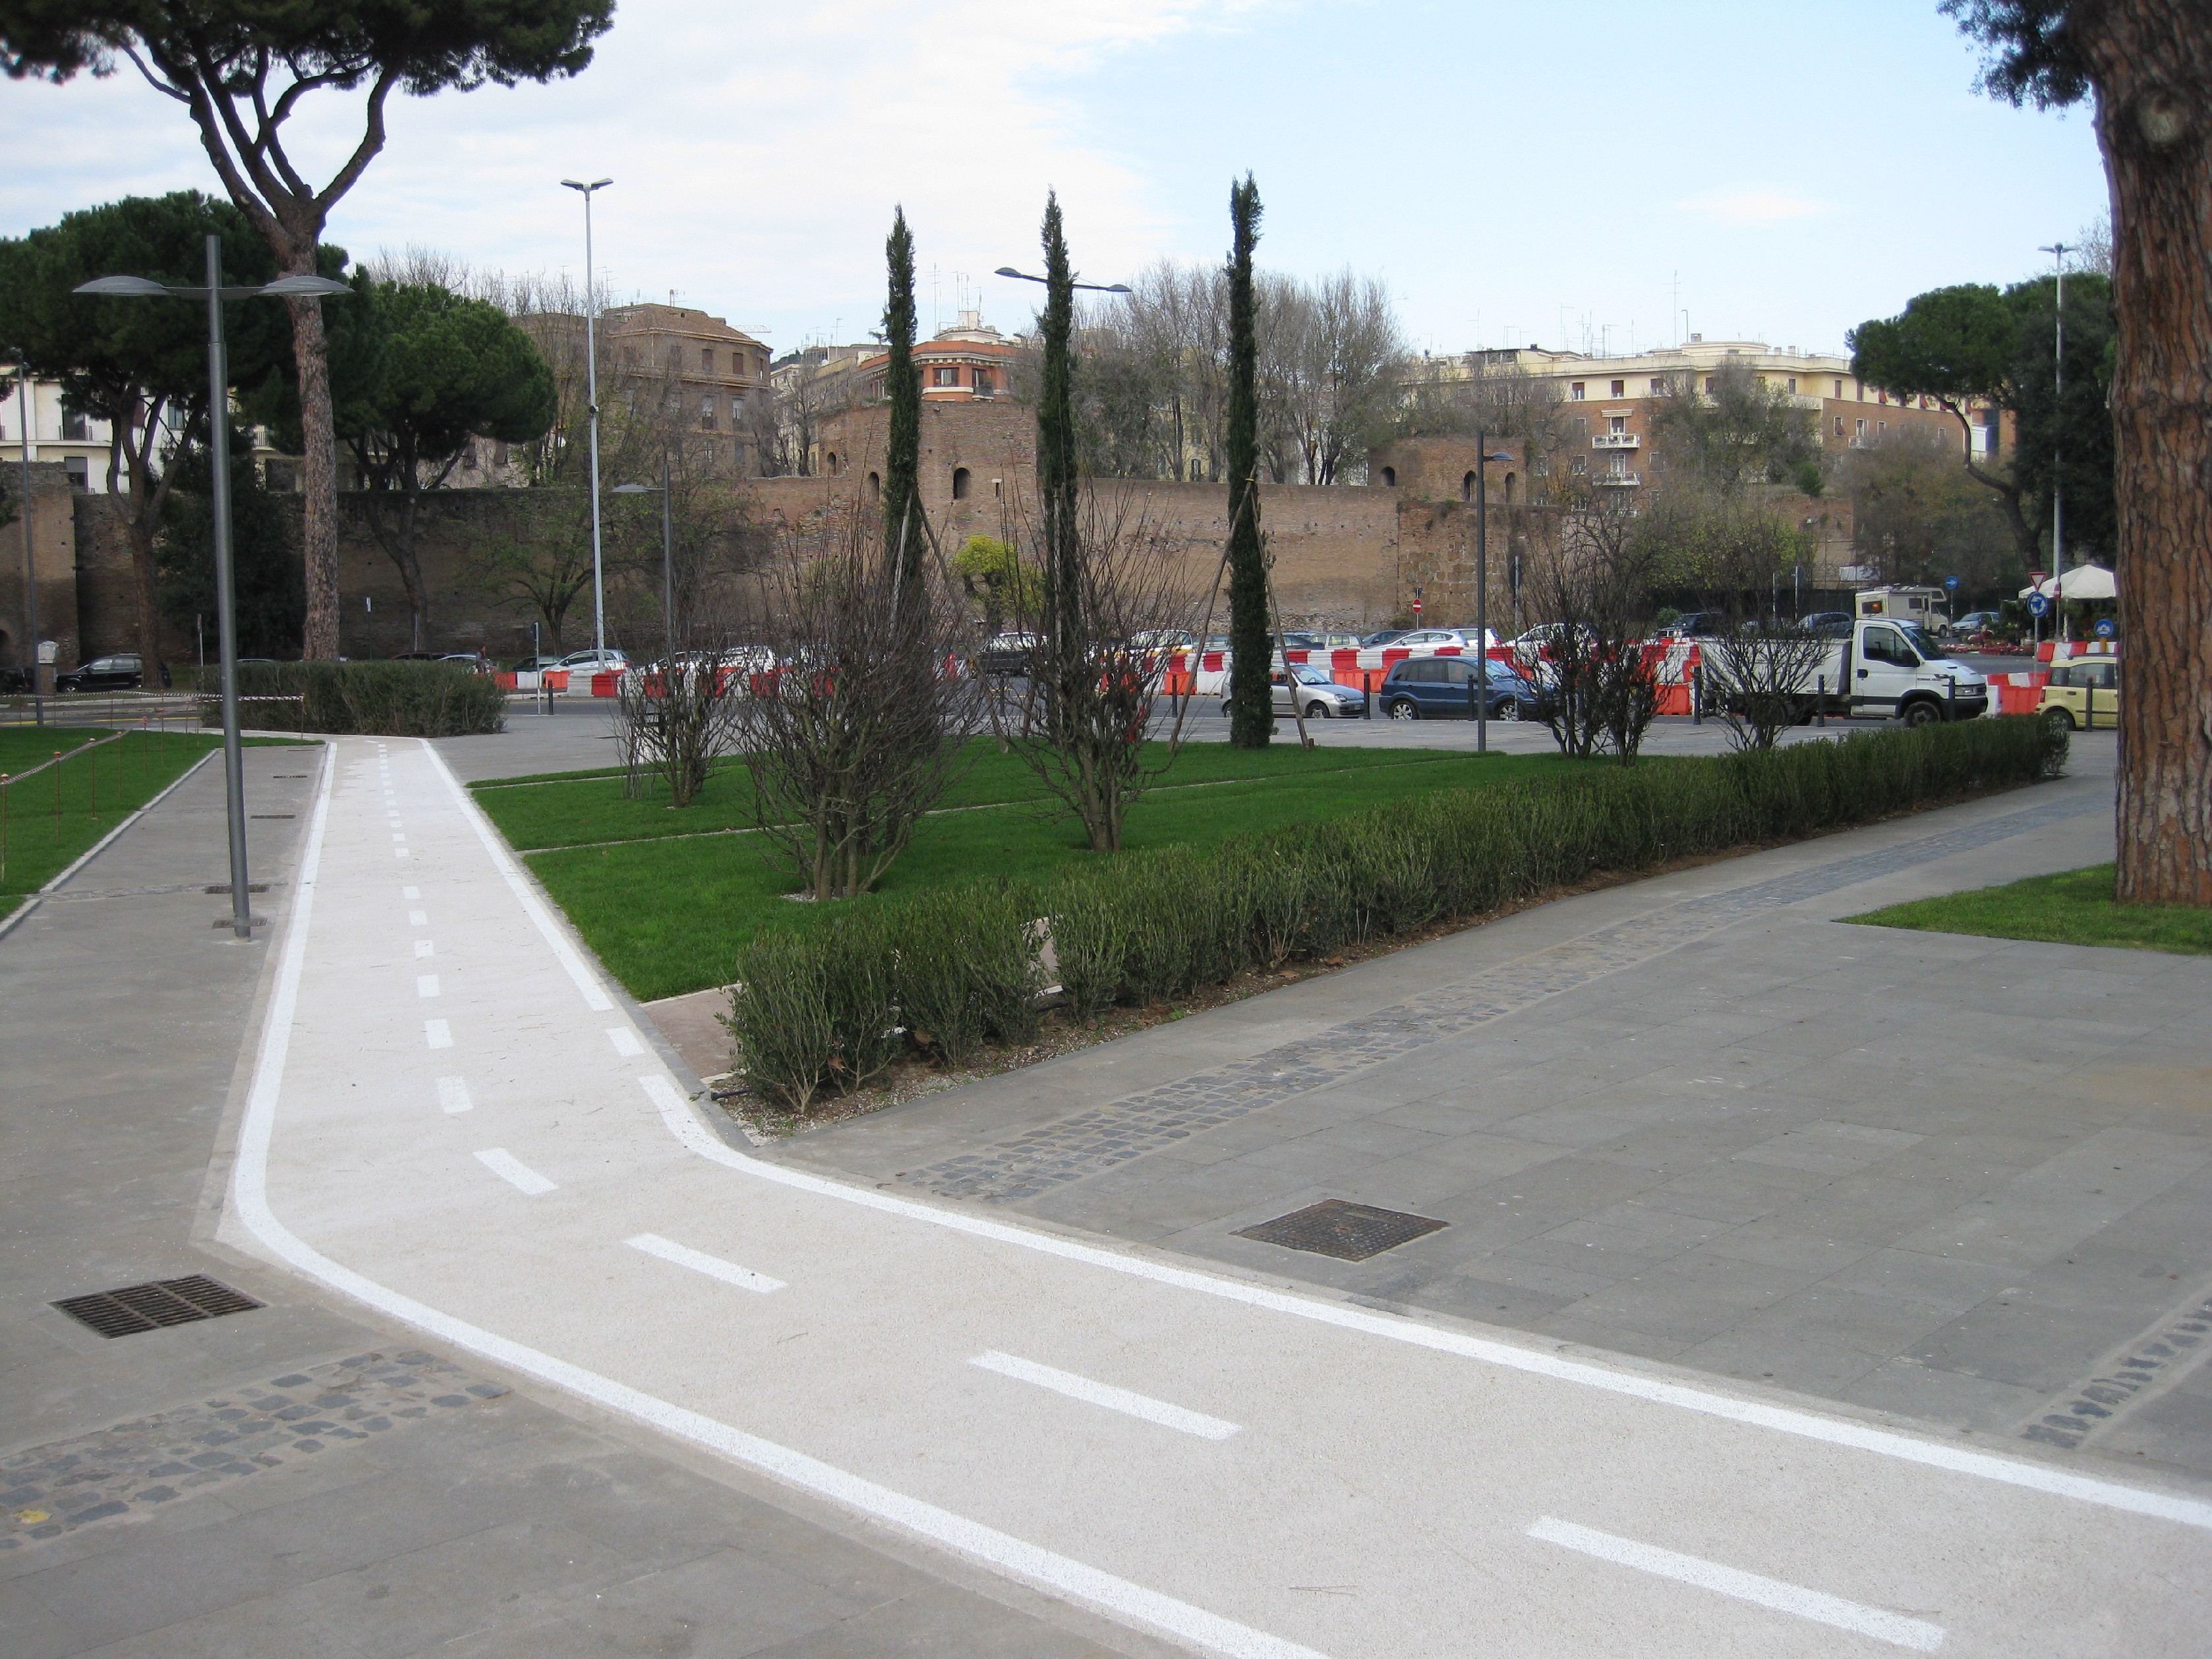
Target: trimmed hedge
<point>380,699</point>
<point>823,1008</point>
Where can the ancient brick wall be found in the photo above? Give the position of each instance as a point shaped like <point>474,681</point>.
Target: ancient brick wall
<point>52,520</point>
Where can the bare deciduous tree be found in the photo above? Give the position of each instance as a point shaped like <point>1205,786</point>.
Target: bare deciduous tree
<point>857,726</point>
<point>681,714</point>
<point>1597,686</point>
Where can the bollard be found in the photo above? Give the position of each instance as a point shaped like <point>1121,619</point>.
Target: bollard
<point>1820,701</point>
<point>1697,694</point>
<point>58,788</point>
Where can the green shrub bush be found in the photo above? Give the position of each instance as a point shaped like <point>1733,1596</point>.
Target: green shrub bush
<point>823,1009</point>
<point>380,699</point>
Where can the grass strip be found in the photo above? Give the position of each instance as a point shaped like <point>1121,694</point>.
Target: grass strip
<point>668,915</point>
<point>54,816</point>
<point>2076,908</point>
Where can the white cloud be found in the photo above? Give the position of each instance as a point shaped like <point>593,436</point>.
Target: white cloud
<point>1752,206</point>
<point>757,153</point>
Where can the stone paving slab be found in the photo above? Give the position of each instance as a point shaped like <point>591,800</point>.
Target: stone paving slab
<point>1697,1119</point>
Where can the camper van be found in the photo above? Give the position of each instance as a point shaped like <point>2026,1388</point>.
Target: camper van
<point>1924,607</point>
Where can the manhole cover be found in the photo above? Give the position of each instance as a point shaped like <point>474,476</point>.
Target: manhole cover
<point>150,1307</point>
<point>1350,1232</point>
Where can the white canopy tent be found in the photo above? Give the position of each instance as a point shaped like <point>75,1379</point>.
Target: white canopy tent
<point>2083,581</point>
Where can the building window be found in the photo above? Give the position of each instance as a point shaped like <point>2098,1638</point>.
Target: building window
<point>1658,462</point>
<point>1712,384</point>
<point>875,486</point>
<point>1512,482</point>
<point>1579,466</point>
<point>737,412</point>
<point>1859,428</point>
<point>1839,425</point>
<point>983,383</point>
<point>1575,392</point>
<point>707,412</point>
<point>959,483</point>
<point>73,425</point>
<point>944,377</point>
<point>1541,465</point>
<point>1881,396</point>
<point>1466,488</point>
<point>1620,388</point>
<point>1581,425</point>
<point>1389,477</point>
<point>1616,423</point>
<point>829,461</point>
<point>80,471</point>
<point>707,360</point>
<point>1793,383</point>
<point>1839,388</point>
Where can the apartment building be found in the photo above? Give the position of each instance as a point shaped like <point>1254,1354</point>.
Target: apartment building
<point>57,432</point>
<point>968,361</point>
<point>712,369</point>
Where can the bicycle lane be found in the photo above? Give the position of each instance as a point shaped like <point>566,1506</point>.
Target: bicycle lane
<point>444,1124</point>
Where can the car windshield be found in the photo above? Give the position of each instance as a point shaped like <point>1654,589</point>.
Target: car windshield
<point>1308,675</point>
<point>1924,642</point>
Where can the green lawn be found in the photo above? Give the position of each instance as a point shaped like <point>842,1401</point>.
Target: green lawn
<point>667,914</point>
<point>2076,907</point>
<point>52,817</point>
<point>22,747</point>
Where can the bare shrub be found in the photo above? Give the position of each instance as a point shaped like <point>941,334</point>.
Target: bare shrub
<point>1105,630</point>
<point>1597,688</point>
<point>855,723</point>
<point>1760,681</point>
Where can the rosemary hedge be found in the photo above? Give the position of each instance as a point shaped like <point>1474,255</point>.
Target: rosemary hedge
<point>380,699</point>
<point>826,1008</point>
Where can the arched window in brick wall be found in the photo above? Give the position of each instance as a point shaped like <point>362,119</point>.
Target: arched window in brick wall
<point>1466,488</point>
<point>959,483</point>
<point>1389,477</point>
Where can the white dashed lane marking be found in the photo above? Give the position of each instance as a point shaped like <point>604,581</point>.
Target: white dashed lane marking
<point>425,948</point>
<point>454,1095</point>
<point>513,1170</point>
<point>1821,1609</point>
<point>426,985</point>
<point>1123,1401</point>
<point>438,1033</point>
<point>699,1261</point>
<point>625,1040</point>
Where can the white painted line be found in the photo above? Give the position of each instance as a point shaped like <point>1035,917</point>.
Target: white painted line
<point>513,1170</point>
<point>399,852</point>
<point>426,985</point>
<point>564,952</point>
<point>1821,1609</point>
<point>418,918</point>
<point>1046,1570</point>
<point>453,1094</point>
<point>398,838</point>
<point>695,1136</point>
<point>438,1033</point>
<point>410,892</point>
<point>625,1040</point>
<point>425,948</point>
<point>1106,1395</point>
<point>699,1261</point>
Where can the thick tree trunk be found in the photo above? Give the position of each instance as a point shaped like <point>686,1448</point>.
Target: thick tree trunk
<point>319,540</point>
<point>2152,64</point>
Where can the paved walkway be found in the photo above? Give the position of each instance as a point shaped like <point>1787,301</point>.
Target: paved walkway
<point>1965,1181</point>
<point>453,1120</point>
<point>311,1479</point>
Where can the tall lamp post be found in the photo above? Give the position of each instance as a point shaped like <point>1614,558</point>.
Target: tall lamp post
<point>667,559</point>
<point>1483,458</point>
<point>284,288</point>
<point>592,401</point>
<point>2058,251</point>
<point>30,558</point>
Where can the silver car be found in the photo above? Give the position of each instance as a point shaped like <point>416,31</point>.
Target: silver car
<point>1317,696</point>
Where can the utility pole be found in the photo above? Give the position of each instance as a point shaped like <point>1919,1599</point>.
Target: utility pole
<point>592,398</point>
<point>30,557</point>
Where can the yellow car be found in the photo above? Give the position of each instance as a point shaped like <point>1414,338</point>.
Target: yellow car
<point>2084,694</point>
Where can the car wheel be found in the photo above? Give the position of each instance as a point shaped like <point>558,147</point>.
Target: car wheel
<point>1508,710</point>
<point>2061,719</point>
<point>1403,709</point>
<point>1316,711</point>
<point>1225,711</point>
<point>1922,713</point>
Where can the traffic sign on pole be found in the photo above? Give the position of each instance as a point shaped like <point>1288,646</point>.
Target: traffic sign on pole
<point>2038,605</point>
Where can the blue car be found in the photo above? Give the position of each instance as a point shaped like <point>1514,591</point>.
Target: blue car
<point>1440,689</point>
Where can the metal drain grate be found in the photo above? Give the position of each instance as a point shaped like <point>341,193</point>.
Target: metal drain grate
<point>272,815</point>
<point>224,887</point>
<point>1350,1232</point>
<point>150,1307</point>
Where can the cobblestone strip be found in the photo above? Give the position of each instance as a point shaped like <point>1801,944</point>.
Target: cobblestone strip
<point>132,1468</point>
<point>2081,1411</point>
<point>1103,1137</point>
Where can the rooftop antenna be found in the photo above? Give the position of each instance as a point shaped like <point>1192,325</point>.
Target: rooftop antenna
<point>1675,310</point>
<point>936,302</point>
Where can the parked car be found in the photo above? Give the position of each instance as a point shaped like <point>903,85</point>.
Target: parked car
<point>475,661</point>
<point>1441,689</point>
<point>1438,639</point>
<point>1006,656</point>
<point>1828,624</point>
<point>609,661</point>
<point>535,665</point>
<point>2084,694</point>
<point>1975,623</point>
<point>14,679</point>
<point>1309,691</point>
<point>418,656</point>
<point>1695,624</point>
<point>124,672</point>
<point>1385,636</point>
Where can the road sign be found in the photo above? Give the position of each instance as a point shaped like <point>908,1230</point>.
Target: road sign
<point>2104,629</point>
<point>1951,582</point>
<point>2038,605</point>
<point>1417,607</point>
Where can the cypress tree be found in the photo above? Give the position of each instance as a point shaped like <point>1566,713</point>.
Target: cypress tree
<point>1055,455</point>
<point>1251,701</point>
<point>903,387</point>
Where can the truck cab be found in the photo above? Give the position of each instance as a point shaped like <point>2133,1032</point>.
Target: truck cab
<point>1899,669</point>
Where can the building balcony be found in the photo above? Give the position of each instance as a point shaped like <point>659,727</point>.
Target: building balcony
<point>1616,440</point>
<point>1623,479</point>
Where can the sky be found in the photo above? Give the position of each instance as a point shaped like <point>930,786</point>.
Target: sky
<point>1514,175</point>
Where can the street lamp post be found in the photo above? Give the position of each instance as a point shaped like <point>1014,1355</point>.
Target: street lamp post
<point>592,400</point>
<point>30,558</point>
<point>284,288</point>
<point>1095,288</point>
<point>2058,251</point>
<point>667,558</point>
<point>1483,458</point>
